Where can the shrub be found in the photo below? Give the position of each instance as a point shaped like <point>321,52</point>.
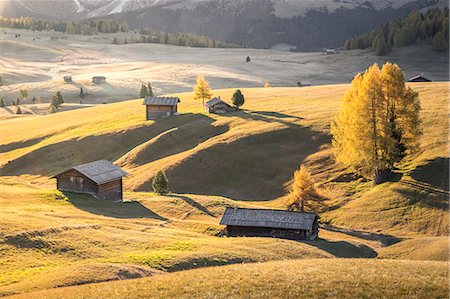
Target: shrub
<point>160,183</point>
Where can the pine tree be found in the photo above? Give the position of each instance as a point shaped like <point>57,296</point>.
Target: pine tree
<point>17,102</point>
<point>70,29</point>
<point>439,42</point>
<point>81,92</point>
<point>202,89</point>
<point>1,81</point>
<point>55,102</point>
<point>2,102</point>
<point>150,90</point>
<point>381,47</point>
<point>378,122</point>
<point>115,42</point>
<point>144,92</point>
<point>303,193</point>
<point>160,183</point>
<point>23,94</point>
<point>60,98</point>
<point>52,109</point>
<point>18,110</point>
<point>238,99</point>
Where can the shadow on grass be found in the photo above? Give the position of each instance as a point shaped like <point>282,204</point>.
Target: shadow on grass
<point>384,239</point>
<point>193,203</point>
<point>434,173</point>
<point>343,249</point>
<point>126,209</point>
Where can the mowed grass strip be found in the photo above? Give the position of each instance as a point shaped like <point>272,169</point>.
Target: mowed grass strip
<point>315,278</point>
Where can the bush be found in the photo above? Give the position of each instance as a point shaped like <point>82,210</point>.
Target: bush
<point>160,183</point>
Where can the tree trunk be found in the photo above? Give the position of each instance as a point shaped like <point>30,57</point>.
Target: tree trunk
<point>382,175</point>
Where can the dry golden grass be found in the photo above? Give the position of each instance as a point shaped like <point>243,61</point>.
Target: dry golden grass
<point>332,278</point>
<point>431,248</point>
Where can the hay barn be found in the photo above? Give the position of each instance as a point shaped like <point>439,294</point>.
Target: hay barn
<point>270,223</point>
<point>101,179</point>
<point>218,106</point>
<point>157,107</point>
<point>419,78</point>
<point>99,79</point>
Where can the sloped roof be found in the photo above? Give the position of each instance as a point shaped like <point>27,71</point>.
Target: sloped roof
<point>268,218</point>
<point>215,101</point>
<point>164,101</point>
<point>421,76</point>
<point>101,171</point>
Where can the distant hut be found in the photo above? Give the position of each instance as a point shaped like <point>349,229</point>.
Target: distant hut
<point>270,223</point>
<point>218,106</point>
<point>68,79</point>
<point>99,79</point>
<point>248,59</point>
<point>157,107</point>
<point>101,179</point>
<point>303,84</point>
<point>419,78</point>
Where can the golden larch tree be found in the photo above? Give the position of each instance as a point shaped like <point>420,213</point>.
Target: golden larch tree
<point>202,89</point>
<point>378,122</point>
<point>303,194</point>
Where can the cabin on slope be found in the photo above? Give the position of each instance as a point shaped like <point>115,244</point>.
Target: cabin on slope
<point>157,107</point>
<point>218,106</point>
<point>99,79</point>
<point>101,179</point>
<point>270,223</point>
<point>419,78</point>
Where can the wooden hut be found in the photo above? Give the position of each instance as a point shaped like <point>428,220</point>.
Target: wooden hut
<point>419,78</point>
<point>270,223</point>
<point>157,107</point>
<point>101,179</point>
<point>67,79</point>
<point>218,106</point>
<point>99,79</point>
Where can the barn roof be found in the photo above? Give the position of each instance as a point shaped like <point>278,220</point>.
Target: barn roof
<point>101,171</point>
<point>421,76</point>
<point>99,77</point>
<point>215,101</point>
<point>164,101</point>
<point>268,218</point>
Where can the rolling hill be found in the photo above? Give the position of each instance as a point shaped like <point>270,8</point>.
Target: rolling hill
<point>243,159</point>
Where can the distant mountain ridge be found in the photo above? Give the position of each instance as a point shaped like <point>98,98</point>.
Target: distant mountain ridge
<point>306,25</point>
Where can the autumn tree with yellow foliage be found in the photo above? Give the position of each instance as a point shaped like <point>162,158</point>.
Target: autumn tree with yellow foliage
<point>378,122</point>
<point>202,89</point>
<point>303,194</point>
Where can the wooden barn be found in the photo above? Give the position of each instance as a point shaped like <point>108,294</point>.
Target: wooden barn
<point>270,223</point>
<point>102,179</point>
<point>218,106</point>
<point>419,78</point>
<point>99,79</point>
<point>157,107</point>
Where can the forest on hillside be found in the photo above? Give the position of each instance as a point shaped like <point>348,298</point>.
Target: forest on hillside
<point>417,27</point>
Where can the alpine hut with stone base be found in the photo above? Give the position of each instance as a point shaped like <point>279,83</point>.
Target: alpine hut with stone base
<point>101,179</point>
<point>157,107</point>
<point>419,78</point>
<point>270,223</point>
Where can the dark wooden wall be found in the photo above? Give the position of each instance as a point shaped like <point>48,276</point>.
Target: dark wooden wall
<point>111,190</point>
<point>265,232</point>
<point>74,181</point>
<point>154,112</point>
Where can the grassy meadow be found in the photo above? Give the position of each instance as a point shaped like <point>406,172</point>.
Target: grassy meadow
<point>243,159</point>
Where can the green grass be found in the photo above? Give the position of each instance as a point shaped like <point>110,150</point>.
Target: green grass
<point>332,278</point>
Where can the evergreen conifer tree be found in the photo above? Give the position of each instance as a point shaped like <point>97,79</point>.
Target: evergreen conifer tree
<point>238,99</point>
<point>144,91</point>
<point>160,183</point>
<point>150,90</point>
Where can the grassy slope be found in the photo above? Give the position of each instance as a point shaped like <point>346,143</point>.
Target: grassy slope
<point>76,239</point>
<point>229,154</point>
<point>338,278</point>
<point>431,248</point>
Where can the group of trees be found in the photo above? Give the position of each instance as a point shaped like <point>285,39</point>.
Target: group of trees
<point>202,91</point>
<point>177,39</point>
<point>87,27</point>
<point>378,123</point>
<point>146,91</point>
<point>56,101</point>
<point>416,27</point>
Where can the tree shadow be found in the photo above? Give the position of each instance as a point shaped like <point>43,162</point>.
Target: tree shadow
<point>272,114</point>
<point>344,249</point>
<point>434,172</point>
<point>193,203</point>
<point>123,210</point>
<point>4,148</point>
